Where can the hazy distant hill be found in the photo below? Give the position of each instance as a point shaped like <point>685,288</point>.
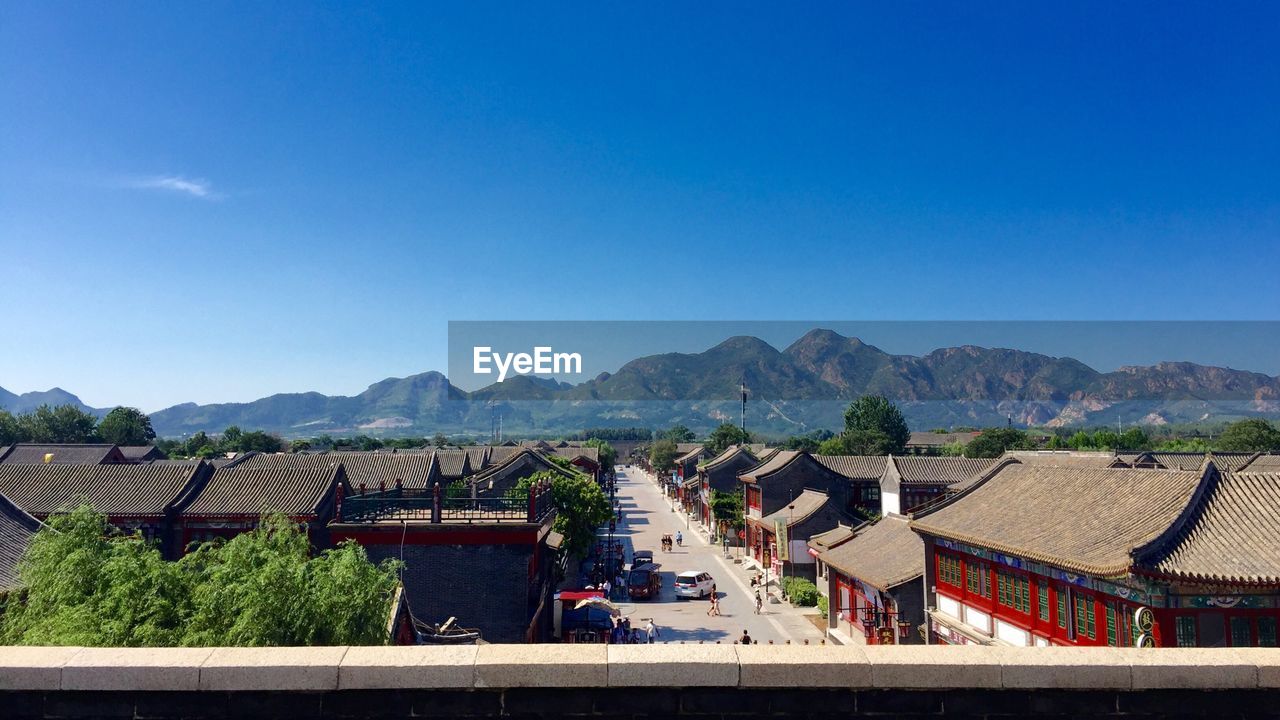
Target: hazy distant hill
<point>26,402</point>
<point>805,386</point>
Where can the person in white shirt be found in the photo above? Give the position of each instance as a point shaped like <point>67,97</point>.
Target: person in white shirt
<point>651,631</point>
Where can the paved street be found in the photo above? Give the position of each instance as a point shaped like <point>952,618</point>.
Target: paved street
<point>647,516</point>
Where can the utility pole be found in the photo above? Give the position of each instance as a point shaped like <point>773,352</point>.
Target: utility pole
<point>743,422</point>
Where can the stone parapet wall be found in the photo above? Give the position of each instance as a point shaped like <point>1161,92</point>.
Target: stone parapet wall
<point>696,681</point>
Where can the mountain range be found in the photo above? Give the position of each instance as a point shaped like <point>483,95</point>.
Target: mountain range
<point>803,387</point>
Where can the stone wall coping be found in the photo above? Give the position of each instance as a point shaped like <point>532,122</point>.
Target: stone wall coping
<point>670,666</point>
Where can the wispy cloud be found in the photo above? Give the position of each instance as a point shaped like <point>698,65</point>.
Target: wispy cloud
<point>193,187</point>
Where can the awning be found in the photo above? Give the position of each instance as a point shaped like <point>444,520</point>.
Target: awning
<point>960,628</point>
<point>554,540</point>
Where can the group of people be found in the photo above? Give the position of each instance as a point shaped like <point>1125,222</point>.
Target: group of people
<point>666,542</point>
<point>624,633</point>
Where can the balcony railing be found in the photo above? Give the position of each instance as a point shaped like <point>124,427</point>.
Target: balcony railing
<point>437,507</point>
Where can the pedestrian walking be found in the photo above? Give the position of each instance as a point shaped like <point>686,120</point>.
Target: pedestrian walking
<point>607,587</point>
<point>759,603</point>
<point>651,631</point>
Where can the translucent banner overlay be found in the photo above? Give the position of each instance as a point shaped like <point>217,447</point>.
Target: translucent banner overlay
<point>800,375</point>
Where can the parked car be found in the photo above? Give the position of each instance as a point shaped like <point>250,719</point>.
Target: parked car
<point>694,584</point>
<point>644,583</point>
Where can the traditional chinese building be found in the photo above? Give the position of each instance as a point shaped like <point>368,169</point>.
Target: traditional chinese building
<point>17,528</point>
<point>793,491</point>
<point>145,498</point>
<point>415,473</point>
<point>911,481</point>
<point>864,473</point>
<point>875,583</point>
<point>489,562</point>
<point>62,454</point>
<point>303,487</point>
<point>497,480</point>
<point>720,474</point>
<point>1046,555</point>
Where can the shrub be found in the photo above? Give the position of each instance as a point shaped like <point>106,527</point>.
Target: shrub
<point>801,592</point>
<point>823,604</point>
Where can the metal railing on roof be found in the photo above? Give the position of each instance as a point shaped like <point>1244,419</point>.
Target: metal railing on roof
<point>438,507</point>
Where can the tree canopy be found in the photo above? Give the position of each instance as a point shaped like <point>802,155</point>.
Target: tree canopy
<point>126,426</point>
<point>1252,435</point>
<point>993,442</point>
<point>872,426</point>
<point>87,584</point>
<point>662,455</point>
<point>725,436</point>
<point>581,507</point>
<point>679,434</point>
<point>608,455</point>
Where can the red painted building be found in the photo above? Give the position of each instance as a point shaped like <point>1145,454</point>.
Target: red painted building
<point>1043,555</point>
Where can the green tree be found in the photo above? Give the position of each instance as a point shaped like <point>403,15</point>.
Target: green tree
<point>727,508</point>
<point>874,426</point>
<point>993,442</point>
<point>126,426</point>
<point>299,445</point>
<point>87,584</point>
<point>581,507</point>
<point>11,431</point>
<point>726,436</point>
<point>1135,438</point>
<point>61,424</point>
<point>833,446</point>
<point>258,441</point>
<point>662,455</point>
<point>608,455</point>
<point>679,434</point>
<point>439,440</point>
<point>1252,435</point>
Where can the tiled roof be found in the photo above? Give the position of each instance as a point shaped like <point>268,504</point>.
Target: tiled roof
<point>78,454</point>
<point>1263,463</point>
<point>883,555</point>
<point>1063,458</point>
<point>571,453</point>
<point>1086,520</point>
<point>932,439</point>
<point>835,536</point>
<point>114,489</point>
<point>501,453</point>
<point>478,456</point>
<point>764,454</point>
<point>416,471</point>
<point>1194,461</point>
<point>138,453</point>
<point>16,531</point>
<point>805,504</point>
<point>692,455</point>
<point>726,455</point>
<point>1232,536</point>
<point>927,470</point>
<point>454,463</point>
<point>294,484</point>
<point>779,460</point>
<point>855,467</point>
<point>685,448</point>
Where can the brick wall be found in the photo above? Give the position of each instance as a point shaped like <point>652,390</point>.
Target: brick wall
<point>690,681</point>
<point>483,586</point>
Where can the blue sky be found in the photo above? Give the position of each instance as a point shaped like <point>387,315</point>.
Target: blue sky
<point>215,201</point>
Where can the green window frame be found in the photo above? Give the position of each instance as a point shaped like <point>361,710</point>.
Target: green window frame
<point>1085,619</point>
<point>949,570</point>
<point>1266,632</point>
<point>1042,599</point>
<point>1113,637</point>
<point>1185,628</point>
<point>1062,609</point>
<point>1241,632</point>
<point>977,579</point>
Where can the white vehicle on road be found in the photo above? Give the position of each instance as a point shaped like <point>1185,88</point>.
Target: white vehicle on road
<point>694,584</point>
